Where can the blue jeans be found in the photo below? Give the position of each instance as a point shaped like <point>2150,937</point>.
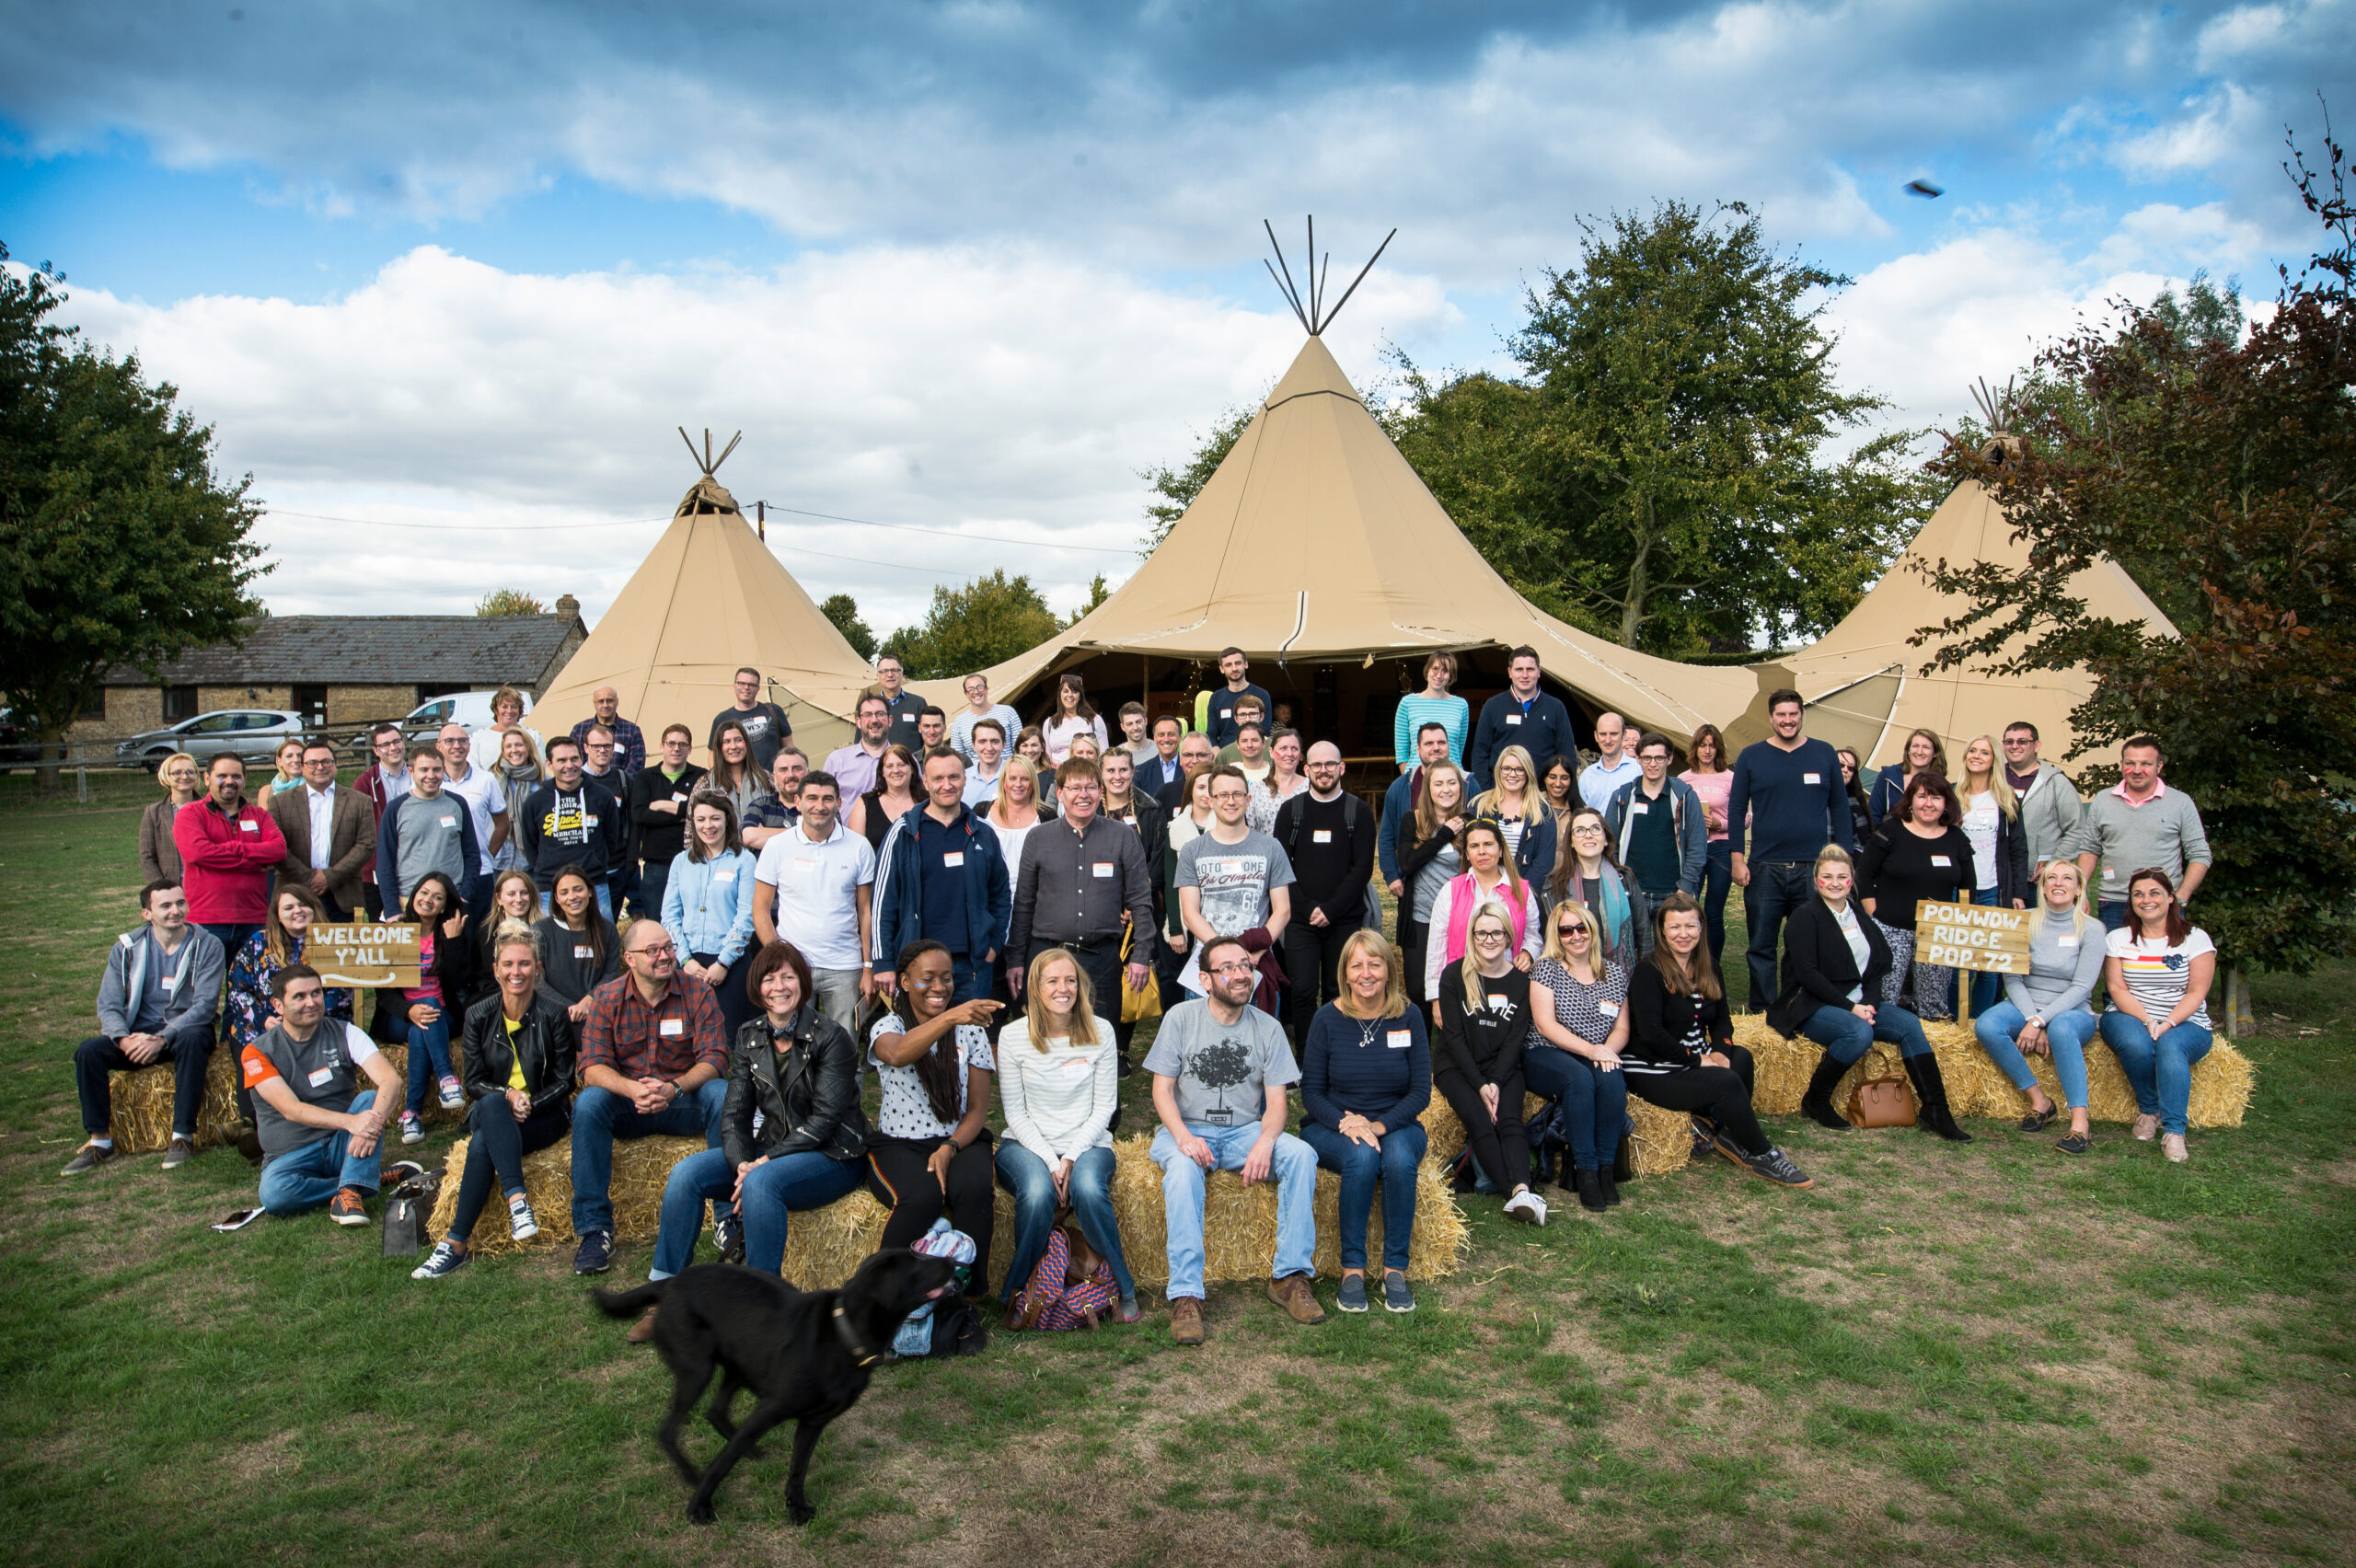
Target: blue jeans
<point>1394,1165</point>
<point>1033,1186</point>
<point>1987,988</point>
<point>1292,1165</point>
<point>1847,1037</point>
<point>2160,1069</point>
<point>807,1179</point>
<point>599,1116</point>
<point>1718,879</point>
<point>306,1178</point>
<point>969,978</point>
<point>428,1057</point>
<point>605,900</point>
<point>2066,1034</point>
<point>1777,890</point>
<point>2113,914</point>
<point>1595,1104</point>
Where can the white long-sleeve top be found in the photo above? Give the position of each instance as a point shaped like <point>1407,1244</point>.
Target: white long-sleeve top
<point>1533,933</point>
<point>1057,1102</point>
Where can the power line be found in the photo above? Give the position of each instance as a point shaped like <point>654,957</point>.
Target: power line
<point>953,534</point>
<point>773,506</point>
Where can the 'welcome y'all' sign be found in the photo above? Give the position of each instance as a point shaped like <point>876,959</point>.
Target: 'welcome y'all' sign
<point>1971,936</point>
<point>364,954</point>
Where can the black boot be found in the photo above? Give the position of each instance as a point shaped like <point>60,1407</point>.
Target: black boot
<point>1817,1103</point>
<point>1591,1191</point>
<point>1624,1162</point>
<point>1609,1189</point>
<point>1931,1099</point>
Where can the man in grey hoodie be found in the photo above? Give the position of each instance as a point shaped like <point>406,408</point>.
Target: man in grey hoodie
<point>156,1002</point>
<point>2050,803</point>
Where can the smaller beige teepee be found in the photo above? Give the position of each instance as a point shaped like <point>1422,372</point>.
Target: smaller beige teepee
<point>707,600</point>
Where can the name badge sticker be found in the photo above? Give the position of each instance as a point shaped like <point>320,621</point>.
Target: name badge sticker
<point>1811,778</point>
<point>1608,1009</point>
<point>953,857</point>
<point>449,821</point>
<point>320,1079</point>
<point>1497,999</point>
<point>1513,717</point>
<point>589,819</point>
<point>1322,835</point>
<point>250,827</point>
<point>670,1028</point>
<point>727,876</point>
<point>172,982</point>
<point>582,952</point>
<point>2067,941</point>
<point>1104,869</point>
<point>1942,860</point>
<point>1636,808</point>
<point>1399,1039</point>
<point>677,796</point>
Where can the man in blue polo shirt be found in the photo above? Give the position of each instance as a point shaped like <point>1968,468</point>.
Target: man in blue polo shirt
<point>940,876</point>
<point>1788,786</point>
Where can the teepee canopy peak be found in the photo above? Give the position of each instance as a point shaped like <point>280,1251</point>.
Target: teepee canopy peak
<point>1997,411</point>
<point>704,459</point>
<point>1313,313</point>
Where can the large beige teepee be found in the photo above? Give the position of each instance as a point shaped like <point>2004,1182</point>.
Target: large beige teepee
<point>1316,542</point>
<point>708,599</point>
<point>1865,680</point>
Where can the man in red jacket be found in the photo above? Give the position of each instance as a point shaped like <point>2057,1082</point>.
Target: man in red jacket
<point>227,846</point>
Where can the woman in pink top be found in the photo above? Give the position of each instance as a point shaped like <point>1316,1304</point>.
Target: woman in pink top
<point>1712,778</point>
<point>1073,715</point>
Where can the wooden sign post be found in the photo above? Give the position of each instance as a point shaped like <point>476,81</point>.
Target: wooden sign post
<point>1978,937</point>
<point>366,954</point>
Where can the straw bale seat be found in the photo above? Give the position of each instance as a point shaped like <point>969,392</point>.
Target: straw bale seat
<point>822,1246</point>
<point>141,1114</point>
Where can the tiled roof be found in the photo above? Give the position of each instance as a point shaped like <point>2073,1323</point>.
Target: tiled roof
<point>480,650</point>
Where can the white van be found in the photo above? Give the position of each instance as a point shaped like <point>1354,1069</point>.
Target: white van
<point>425,721</point>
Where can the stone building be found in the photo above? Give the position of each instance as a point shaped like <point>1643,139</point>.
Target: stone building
<point>339,670</point>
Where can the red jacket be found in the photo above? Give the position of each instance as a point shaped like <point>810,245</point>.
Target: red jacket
<point>226,861</point>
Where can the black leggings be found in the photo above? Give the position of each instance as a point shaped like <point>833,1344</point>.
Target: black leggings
<point>896,1175</point>
<point>1723,1094</point>
<point>499,1144</point>
<point>1499,1147</point>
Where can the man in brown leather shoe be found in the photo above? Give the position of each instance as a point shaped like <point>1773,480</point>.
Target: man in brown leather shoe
<point>1219,1069</point>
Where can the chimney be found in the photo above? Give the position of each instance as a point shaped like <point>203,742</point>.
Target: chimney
<point>568,609</point>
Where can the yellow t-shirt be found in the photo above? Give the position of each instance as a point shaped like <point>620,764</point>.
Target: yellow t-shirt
<point>514,1058</point>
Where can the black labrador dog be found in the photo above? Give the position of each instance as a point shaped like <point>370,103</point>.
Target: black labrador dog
<point>804,1354</point>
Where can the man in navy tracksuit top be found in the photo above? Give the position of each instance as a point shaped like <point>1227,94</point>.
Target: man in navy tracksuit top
<point>1790,787</point>
<point>941,877</point>
<point>1522,716</point>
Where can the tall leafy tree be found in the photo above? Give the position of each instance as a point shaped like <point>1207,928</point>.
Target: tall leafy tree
<point>843,610</point>
<point>974,625</point>
<point>2221,462</point>
<point>509,601</point>
<point>117,543</point>
<point>1658,471</point>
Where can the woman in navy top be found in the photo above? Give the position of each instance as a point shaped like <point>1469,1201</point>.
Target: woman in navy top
<point>1366,1075</point>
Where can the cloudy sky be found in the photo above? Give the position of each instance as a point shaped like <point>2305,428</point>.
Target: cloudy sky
<point>446,276</point>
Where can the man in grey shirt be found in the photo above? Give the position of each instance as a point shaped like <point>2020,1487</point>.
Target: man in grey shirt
<point>1231,879</point>
<point>2139,824</point>
<point>429,829</point>
<point>1220,1067</point>
<point>320,1141</point>
<point>155,1003</point>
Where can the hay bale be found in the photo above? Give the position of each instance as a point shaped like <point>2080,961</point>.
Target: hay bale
<point>140,1118</point>
<point>1664,1139</point>
<point>1444,1133</point>
<point>640,1167</point>
<point>398,1056</point>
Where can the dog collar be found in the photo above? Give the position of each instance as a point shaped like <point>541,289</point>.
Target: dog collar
<point>859,1353</point>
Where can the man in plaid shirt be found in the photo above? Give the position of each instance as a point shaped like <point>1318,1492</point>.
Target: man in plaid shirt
<point>653,1060</point>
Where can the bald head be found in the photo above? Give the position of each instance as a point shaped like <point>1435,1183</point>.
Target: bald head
<point>1323,765</point>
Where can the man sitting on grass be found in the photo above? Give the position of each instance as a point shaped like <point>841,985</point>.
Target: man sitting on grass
<point>155,1002</point>
<point>320,1142</point>
<point>653,1060</point>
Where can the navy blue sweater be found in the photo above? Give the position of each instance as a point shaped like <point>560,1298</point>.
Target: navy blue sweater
<point>1790,817</point>
<point>1382,1081</point>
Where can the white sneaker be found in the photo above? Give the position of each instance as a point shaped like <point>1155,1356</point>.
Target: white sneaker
<point>521,1223</point>
<point>412,1130</point>
<point>454,1093</point>
<point>1526,1206</point>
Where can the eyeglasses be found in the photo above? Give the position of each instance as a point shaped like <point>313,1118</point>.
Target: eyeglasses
<point>1238,968</point>
<point>657,950</point>
<point>601,745</point>
<point>1586,830</point>
<point>1489,936</point>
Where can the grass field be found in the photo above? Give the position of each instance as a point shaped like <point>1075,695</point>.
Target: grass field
<point>1983,1352</point>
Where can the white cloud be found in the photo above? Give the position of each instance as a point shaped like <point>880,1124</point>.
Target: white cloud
<point>993,391</point>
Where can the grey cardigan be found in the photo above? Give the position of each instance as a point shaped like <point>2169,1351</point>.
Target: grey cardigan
<point>2061,975</point>
<point>188,1011</point>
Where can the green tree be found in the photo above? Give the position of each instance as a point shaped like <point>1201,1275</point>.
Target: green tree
<point>1179,487</point>
<point>973,627</point>
<point>1656,470</point>
<point>1097,595</point>
<point>118,546</point>
<point>509,601</point>
<point>843,610</point>
<point>2220,461</point>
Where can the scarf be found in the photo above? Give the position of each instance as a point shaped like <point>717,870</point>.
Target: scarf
<point>516,780</point>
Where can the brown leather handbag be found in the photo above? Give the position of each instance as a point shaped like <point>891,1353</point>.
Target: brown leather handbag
<point>1882,1102</point>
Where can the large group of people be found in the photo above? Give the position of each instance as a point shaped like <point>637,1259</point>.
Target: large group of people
<point>972,910</point>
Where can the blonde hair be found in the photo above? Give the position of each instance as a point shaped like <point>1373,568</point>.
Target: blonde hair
<point>1474,992</point>
<point>1999,785</point>
<point>164,770</point>
<point>1015,762</point>
<point>1533,798</point>
<point>1553,949</point>
<point>1034,1004</point>
<point>2078,903</point>
<point>1394,994</point>
<point>1833,854</point>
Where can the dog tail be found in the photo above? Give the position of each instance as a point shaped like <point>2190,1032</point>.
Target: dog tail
<point>627,1303</point>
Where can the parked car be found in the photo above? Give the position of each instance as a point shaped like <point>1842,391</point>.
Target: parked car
<point>251,733</point>
<point>424,722</point>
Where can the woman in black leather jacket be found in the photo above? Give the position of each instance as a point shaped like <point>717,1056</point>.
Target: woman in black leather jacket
<point>520,1053</point>
<point>800,1070</point>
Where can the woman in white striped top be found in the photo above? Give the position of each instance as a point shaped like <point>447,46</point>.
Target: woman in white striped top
<point>2159,971</point>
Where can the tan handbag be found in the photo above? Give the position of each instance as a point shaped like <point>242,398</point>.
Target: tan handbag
<point>1138,1006</point>
<point>1882,1102</point>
